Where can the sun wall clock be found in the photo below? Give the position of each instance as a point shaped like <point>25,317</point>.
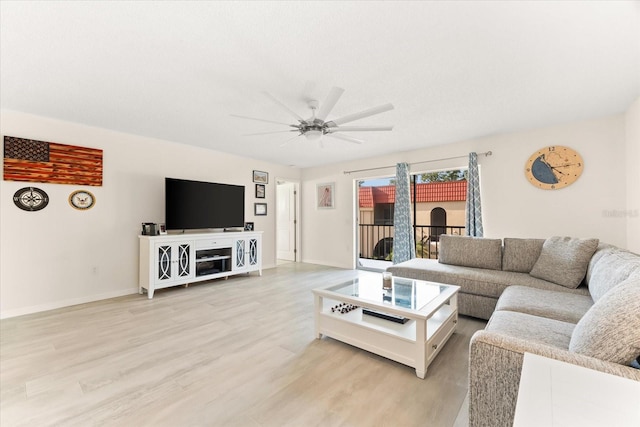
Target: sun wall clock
<point>82,200</point>
<point>31,199</point>
<point>554,167</point>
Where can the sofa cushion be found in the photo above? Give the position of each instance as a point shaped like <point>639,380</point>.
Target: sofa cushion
<point>610,330</point>
<point>520,255</point>
<point>603,249</point>
<point>471,251</point>
<point>564,306</point>
<point>531,328</point>
<point>611,269</point>
<point>476,281</point>
<point>564,260</point>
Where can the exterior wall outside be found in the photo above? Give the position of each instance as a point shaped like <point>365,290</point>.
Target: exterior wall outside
<point>455,217</point>
<point>455,212</point>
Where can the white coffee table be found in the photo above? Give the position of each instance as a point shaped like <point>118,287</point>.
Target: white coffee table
<point>431,310</point>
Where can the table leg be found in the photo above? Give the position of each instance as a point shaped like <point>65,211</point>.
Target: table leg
<point>421,353</point>
<point>317,310</point>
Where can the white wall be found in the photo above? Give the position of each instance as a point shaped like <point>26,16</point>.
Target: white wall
<point>632,156</point>
<point>47,258</point>
<point>60,256</point>
<point>511,206</point>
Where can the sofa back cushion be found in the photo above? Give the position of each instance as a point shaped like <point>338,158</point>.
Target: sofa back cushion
<point>564,260</point>
<point>610,330</point>
<point>476,252</point>
<point>612,268</point>
<point>520,255</point>
<point>603,249</point>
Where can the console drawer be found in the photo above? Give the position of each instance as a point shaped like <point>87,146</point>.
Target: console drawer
<point>214,243</point>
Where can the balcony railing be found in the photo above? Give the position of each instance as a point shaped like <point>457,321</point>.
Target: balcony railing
<point>376,241</point>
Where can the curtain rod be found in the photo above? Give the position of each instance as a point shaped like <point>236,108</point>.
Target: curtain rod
<point>486,154</point>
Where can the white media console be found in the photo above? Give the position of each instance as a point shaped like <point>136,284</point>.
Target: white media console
<point>180,259</point>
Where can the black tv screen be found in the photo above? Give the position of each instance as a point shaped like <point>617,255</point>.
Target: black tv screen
<point>196,204</point>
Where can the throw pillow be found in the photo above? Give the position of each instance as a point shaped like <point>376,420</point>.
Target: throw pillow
<point>564,260</point>
<point>610,330</point>
<point>611,269</point>
<point>520,255</point>
<point>470,251</point>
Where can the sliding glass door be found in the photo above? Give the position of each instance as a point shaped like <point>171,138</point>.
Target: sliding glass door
<point>438,204</point>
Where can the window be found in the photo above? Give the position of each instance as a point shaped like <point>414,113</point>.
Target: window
<point>383,214</point>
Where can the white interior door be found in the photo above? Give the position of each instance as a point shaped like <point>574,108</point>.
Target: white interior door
<point>286,221</point>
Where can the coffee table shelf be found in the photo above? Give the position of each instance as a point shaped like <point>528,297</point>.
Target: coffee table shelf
<point>432,318</point>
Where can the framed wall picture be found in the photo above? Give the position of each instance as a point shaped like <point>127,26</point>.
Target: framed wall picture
<point>260,191</point>
<point>260,177</point>
<point>260,209</point>
<point>325,194</point>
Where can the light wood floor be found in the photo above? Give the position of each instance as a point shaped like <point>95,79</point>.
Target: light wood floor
<point>237,352</point>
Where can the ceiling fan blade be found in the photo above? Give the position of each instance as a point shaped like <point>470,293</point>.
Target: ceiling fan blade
<point>267,133</point>
<point>329,103</point>
<point>287,109</point>
<point>260,120</point>
<point>358,128</point>
<point>360,115</point>
<point>344,137</point>
<point>290,139</point>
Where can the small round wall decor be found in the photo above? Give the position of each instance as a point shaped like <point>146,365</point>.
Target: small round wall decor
<point>31,199</point>
<point>82,199</point>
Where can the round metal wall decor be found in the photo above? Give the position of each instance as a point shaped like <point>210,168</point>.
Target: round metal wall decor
<point>31,199</point>
<point>82,199</point>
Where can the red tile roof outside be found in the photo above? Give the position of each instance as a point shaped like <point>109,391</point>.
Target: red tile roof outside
<point>450,191</point>
<point>365,197</point>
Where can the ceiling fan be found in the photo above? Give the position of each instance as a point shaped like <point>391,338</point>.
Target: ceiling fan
<point>317,125</point>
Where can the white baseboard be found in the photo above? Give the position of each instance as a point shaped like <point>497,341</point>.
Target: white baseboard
<point>66,303</point>
<point>328,264</point>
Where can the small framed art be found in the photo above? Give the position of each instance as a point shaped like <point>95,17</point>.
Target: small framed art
<point>260,177</point>
<point>325,194</point>
<point>248,226</point>
<point>260,209</point>
<point>260,191</point>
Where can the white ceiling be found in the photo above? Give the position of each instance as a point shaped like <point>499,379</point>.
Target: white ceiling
<point>454,70</point>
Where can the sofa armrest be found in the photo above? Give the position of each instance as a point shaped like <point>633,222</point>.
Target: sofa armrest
<point>495,365</point>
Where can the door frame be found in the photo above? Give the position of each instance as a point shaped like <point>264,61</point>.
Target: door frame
<point>296,209</point>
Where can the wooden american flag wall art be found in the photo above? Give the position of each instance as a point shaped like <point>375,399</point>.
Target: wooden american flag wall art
<point>39,161</point>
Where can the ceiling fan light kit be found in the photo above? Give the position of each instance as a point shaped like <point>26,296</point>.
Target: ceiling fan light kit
<point>316,126</point>
<point>313,135</point>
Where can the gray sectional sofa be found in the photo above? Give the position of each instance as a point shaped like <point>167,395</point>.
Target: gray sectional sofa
<point>574,300</point>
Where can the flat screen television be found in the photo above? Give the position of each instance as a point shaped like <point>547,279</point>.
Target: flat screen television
<point>198,205</point>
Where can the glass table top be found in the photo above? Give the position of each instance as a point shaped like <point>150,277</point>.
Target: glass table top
<point>405,293</point>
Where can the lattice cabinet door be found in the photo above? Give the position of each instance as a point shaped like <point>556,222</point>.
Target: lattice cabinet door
<point>164,264</point>
<point>173,261</point>
<point>240,258</point>
<point>254,255</point>
<point>184,265</point>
